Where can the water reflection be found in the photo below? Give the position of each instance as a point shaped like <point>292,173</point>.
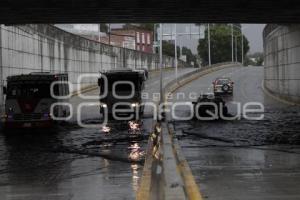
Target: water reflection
<point>136,153</point>
<point>135,177</point>
<point>32,165</point>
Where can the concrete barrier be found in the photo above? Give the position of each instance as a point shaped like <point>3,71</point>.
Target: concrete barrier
<point>282,61</point>
<point>176,180</point>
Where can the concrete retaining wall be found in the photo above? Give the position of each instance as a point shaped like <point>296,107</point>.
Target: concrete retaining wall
<point>282,61</point>
<point>35,48</point>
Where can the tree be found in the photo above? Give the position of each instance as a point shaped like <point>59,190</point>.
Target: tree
<point>169,49</point>
<point>146,26</point>
<point>256,59</point>
<point>190,57</point>
<point>104,28</point>
<point>220,43</point>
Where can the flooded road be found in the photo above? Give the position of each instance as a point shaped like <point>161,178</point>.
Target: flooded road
<point>77,163</point>
<point>242,159</point>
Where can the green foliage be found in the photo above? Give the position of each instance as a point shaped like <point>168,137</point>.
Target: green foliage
<point>104,28</point>
<point>169,49</point>
<point>146,26</point>
<point>220,37</point>
<point>255,59</point>
<point>190,57</point>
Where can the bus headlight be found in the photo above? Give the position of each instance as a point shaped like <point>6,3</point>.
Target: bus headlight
<point>10,110</point>
<point>103,105</point>
<point>134,104</point>
<point>4,116</point>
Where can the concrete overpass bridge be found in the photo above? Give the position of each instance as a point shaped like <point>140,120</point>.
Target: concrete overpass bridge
<point>93,11</point>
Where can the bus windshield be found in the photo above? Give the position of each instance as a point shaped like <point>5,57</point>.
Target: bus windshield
<point>31,90</point>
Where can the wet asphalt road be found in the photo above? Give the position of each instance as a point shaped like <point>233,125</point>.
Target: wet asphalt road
<point>243,159</point>
<point>77,163</point>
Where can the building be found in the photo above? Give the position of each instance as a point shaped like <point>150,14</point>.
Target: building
<point>131,37</point>
<point>143,38</point>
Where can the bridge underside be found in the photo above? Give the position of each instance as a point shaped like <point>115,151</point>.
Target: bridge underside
<point>95,11</point>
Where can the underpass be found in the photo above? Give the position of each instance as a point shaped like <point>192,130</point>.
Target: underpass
<point>223,159</point>
<point>241,159</point>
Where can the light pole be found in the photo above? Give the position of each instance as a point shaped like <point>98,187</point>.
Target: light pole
<point>160,61</point>
<point>154,38</point>
<point>176,60</point>
<point>108,34</point>
<point>235,37</point>
<point>231,42</point>
<point>99,32</point>
<point>242,41</point>
<point>242,46</point>
<point>209,56</point>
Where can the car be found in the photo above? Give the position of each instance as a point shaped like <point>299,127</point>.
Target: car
<point>223,86</point>
<point>209,103</point>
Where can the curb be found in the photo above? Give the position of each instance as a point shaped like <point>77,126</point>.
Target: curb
<point>190,185</point>
<point>281,100</point>
<point>186,186</point>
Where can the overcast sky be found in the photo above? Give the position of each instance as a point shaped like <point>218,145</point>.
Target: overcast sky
<point>252,31</point>
<point>254,34</point>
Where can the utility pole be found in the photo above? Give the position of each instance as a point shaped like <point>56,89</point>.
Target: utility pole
<point>176,60</point>
<point>235,48</point>
<point>154,39</point>
<point>242,46</point>
<point>99,32</point>
<point>108,34</point>
<point>100,47</point>
<point>160,62</point>
<point>231,42</point>
<point>209,56</point>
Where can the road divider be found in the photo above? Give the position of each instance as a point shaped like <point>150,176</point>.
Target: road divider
<point>166,173</point>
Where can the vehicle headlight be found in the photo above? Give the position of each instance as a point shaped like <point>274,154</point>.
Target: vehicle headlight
<point>4,116</point>
<point>134,104</point>
<point>103,105</point>
<point>10,110</point>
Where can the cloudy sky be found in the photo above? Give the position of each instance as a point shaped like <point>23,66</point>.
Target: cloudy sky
<point>252,31</point>
<point>254,34</point>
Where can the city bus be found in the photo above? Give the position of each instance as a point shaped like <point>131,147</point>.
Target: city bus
<point>124,93</point>
<point>28,100</point>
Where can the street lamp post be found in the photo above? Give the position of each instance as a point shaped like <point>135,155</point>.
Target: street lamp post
<point>231,42</point>
<point>242,41</point>
<point>242,46</point>
<point>99,32</point>
<point>209,56</point>
<point>176,60</point>
<point>160,61</point>
<point>235,37</point>
<point>108,34</point>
